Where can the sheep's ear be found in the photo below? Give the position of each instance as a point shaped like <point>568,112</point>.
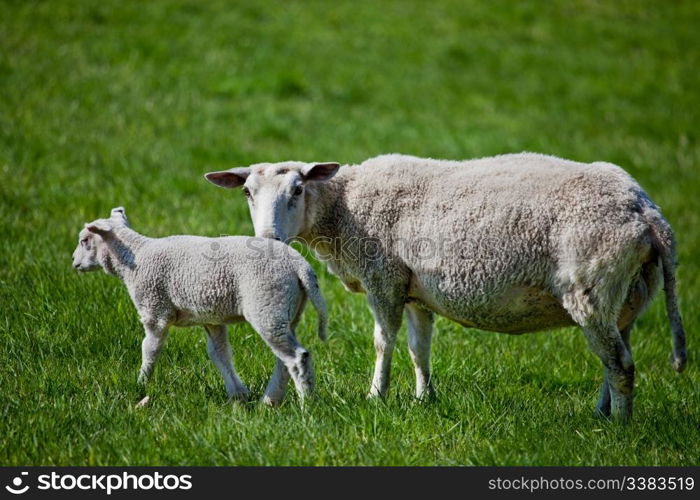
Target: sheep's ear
<point>229,178</point>
<point>119,214</point>
<point>319,171</point>
<point>98,227</point>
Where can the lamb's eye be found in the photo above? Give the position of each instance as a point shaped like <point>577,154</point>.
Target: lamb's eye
<point>246,192</point>
<point>298,190</point>
<point>84,241</point>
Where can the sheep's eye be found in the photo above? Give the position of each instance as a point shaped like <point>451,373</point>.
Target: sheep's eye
<point>84,241</point>
<point>246,192</point>
<point>298,190</point>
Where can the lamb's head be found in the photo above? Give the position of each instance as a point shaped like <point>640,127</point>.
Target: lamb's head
<point>277,194</point>
<point>86,256</point>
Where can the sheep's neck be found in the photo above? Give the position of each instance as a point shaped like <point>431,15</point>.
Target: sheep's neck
<point>121,247</point>
<point>320,211</point>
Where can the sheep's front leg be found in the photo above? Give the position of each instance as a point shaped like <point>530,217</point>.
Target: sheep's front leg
<point>220,353</point>
<point>420,332</point>
<point>156,333</point>
<point>387,321</point>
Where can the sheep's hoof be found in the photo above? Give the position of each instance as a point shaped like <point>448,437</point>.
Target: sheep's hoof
<point>601,413</point>
<point>602,409</point>
<point>143,402</point>
<point>605,413</point>
<point>271,402</point>
<point>426,398</point>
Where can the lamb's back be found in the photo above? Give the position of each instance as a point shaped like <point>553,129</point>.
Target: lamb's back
<point>214,275</point>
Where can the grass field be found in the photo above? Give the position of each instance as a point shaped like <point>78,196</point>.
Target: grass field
<point>129,103</point>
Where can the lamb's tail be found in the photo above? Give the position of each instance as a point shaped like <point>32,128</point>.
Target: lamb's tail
<point>309,282</point>
<point>664,243</point>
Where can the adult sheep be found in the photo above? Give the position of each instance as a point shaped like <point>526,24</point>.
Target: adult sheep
<point>513,243</point>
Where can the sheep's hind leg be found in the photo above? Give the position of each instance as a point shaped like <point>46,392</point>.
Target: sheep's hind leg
<point>220,353</point>
<point>606,342</point>
<point>293,355</point>
<point>277,387</point>
<point>420,331</point>
<point>603,406</point>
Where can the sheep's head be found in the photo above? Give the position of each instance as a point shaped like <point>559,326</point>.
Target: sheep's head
<point>86,256</point>
<point>276,194</point>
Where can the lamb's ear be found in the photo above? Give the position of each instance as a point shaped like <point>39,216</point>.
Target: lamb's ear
<point>319,171</point>
<point>229,178</point>
<point>119,214</point>
<point>99,227</point>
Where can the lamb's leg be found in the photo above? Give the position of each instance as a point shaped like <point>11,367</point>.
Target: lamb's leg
<point>156,333</point>
<point>608,344</point>
<point>220,353</point>
<point>277,387</point>
<point>420,332</point>
<point>603,406</point>
<point>387,321</point>
<point>293,355</point>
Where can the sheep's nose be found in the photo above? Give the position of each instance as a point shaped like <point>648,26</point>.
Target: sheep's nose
<point>271,235</point>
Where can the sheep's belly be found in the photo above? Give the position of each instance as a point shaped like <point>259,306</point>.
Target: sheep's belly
<point>517,310</point>
<point>184,317</point>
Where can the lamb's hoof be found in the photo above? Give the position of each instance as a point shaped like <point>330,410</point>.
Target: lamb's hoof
<point>144,402</point>
<point>271,402</point>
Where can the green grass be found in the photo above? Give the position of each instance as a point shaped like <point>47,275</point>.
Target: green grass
<point>129,103</point>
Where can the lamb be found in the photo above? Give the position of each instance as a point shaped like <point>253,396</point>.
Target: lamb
<point>514,243</point>
<point>192,280</point>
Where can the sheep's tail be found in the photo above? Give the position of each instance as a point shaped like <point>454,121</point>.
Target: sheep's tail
<point>664,243</point>
<point>309,282</point>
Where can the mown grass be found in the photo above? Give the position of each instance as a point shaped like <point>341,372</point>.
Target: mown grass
<point>128,103</point>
